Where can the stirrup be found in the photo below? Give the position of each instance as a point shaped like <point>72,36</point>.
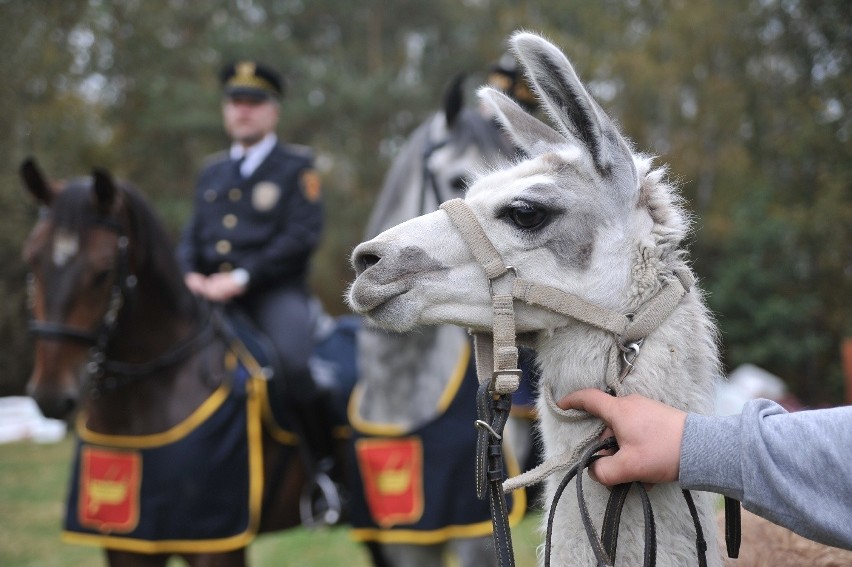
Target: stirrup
<point>320,503</point>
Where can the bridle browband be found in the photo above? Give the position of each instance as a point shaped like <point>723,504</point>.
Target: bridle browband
<point>103,374</point>
<point>499,377</point>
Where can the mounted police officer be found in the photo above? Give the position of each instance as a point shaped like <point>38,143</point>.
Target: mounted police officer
<point>257,220</point>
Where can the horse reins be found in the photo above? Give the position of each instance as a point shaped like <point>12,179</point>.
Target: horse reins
<point>499,377</point>
<point>102,373</point>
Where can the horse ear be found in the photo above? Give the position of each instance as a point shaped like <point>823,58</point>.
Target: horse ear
<point>35,181</point>
<point>528,133</point>
<point>104,189</point>
<point>454,99</point>
<point>568,103</point>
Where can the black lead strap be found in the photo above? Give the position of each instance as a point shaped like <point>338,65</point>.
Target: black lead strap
<point>604,549</point>
<point>493,412</point>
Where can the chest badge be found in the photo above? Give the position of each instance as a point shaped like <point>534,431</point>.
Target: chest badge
<point>265,195</point>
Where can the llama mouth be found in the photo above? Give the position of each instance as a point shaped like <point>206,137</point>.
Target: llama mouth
<point>365,297</point>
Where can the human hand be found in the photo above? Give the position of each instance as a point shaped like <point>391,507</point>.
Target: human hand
<point>195,282</point>
<point>648,432</point>
<point>222,287</point>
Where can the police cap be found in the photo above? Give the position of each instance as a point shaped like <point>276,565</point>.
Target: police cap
<point>505,76</point>
<point>251,79</point>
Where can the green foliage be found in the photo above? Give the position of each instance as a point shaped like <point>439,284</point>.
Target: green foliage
<point>746,100</point>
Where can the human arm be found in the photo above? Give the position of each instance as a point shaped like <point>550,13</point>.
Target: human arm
<point>793,469</point>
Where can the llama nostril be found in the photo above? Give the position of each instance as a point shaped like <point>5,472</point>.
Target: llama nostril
<point>364,261</point>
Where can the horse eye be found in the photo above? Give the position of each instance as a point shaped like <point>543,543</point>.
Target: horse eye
<point>459,184</point>
<point>101,278</point>
<point>527,216</point>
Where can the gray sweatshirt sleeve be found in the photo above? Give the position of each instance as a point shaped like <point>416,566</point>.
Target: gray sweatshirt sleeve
<point>794,469</point>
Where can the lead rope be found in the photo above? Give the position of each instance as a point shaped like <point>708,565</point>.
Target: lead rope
<point>498,382</point>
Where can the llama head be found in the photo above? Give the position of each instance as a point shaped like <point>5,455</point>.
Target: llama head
<point>568,214</point>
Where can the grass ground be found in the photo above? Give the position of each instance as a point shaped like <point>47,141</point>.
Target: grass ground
<point>32,490</point>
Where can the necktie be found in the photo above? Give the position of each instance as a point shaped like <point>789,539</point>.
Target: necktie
<point>237,165</point>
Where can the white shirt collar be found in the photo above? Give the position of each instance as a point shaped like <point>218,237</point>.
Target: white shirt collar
<point>254,155</point>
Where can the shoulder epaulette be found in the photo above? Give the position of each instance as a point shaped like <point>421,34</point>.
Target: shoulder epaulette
<point>299,150</point>
<point>218,157</point>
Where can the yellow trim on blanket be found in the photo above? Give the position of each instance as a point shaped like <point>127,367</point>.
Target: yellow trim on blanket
<point>394,430</point>
<point>278,433</point>
<point>239,353</point>
<point>175,433</point>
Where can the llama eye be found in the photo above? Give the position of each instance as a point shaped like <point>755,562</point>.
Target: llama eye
<point>527,216</point>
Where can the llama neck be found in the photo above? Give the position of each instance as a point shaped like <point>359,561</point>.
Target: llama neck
<point>677,365</point>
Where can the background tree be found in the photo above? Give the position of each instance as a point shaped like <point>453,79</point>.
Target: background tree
<point>747,100</point>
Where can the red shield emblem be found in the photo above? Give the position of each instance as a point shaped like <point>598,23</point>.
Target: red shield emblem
<point>109,489</point>
<point>392,470</point>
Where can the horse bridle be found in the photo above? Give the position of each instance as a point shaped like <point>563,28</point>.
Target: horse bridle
<point>499,377</point>
<point>428,179</point>
<point>103,374</point>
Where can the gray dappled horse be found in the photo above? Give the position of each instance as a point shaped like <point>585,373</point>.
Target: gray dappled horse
<point>403,376</point>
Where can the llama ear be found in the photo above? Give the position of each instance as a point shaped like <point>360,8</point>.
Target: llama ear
<point>35,182</point>
<point>104,189</point>
<point>454,99</point>
<point>529,133</point>
<point>568,103</point>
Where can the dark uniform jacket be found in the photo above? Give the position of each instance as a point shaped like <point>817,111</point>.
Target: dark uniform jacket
<point>268,224</point>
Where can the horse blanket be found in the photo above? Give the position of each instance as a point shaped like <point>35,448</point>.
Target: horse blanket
<point>195,488</point>
<point>403,470</point>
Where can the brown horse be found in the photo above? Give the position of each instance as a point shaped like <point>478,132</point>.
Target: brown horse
<point>124,345</point>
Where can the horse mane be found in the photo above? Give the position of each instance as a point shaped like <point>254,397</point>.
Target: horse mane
<point>469,128</point>
<point>408,162</point>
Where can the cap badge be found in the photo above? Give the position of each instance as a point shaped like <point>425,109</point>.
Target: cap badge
<point>245,69</point>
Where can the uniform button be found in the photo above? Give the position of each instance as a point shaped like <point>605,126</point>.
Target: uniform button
<point>226,267</point>
<point>223,247</point>
<point>229,221</point>
<point>210,195</point>
<point>235,194</point>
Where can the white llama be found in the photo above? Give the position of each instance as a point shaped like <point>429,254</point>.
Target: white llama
<point>591,223</point>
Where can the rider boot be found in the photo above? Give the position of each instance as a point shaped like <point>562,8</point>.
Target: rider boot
<point>321,502</point>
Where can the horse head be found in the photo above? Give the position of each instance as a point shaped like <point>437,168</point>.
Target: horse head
<point>437,161</point>
<point>76,254</point>
<point>403,374</point>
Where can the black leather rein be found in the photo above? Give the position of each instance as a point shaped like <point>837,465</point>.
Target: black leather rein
<point>605,545</point>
